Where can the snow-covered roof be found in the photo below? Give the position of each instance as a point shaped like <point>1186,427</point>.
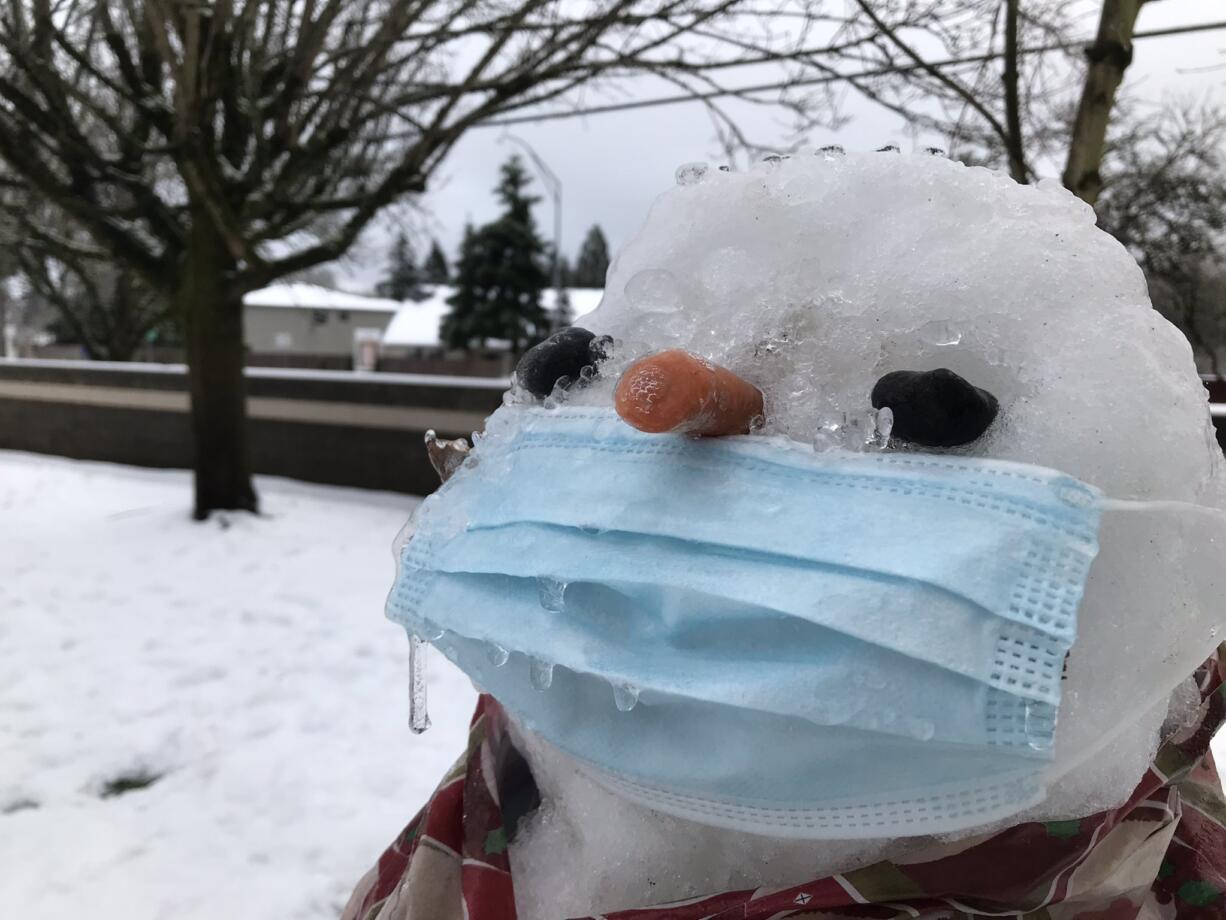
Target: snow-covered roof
<point>314,297</point>
<point>417,324</point>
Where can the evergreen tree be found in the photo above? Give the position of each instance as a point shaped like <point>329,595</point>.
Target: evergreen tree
<point>466,321</point>
<point>403,280</point>
<point>593,262</point>
<point>436,270</point>
<point>500,274</point>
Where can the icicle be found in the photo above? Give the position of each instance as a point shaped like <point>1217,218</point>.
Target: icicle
<point>552,594</point>
<point>540,673</point>
<point>885,427</point>
<point>625,697</point>
<point>498,655</point>
<point>419,719</point>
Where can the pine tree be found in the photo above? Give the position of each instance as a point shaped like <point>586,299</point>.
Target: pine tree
<point>436,269</point>
<point>403,280</point>
<point>593,262</point>
<point>465,322</point>
<point>500,274</point>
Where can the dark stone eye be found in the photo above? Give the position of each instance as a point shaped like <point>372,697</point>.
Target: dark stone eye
<point>564,354</point>
<point>935,408</point>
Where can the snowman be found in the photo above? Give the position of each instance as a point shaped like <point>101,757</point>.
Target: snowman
<point>860,556</point>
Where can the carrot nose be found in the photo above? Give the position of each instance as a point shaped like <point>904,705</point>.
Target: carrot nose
<point>679,392</point>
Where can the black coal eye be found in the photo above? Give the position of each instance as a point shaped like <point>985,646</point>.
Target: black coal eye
<point>935,408</point>
<point>563,354</point>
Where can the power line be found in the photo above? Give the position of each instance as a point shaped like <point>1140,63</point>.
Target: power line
<point>829,78</point>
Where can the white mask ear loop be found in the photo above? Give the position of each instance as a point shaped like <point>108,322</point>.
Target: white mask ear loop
<point>1215,586</point>
<point>1136,504</point>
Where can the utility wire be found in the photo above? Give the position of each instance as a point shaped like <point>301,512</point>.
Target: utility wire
<point>828,78</point>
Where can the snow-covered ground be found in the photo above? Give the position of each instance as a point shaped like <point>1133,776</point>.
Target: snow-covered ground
<point>244,662</point>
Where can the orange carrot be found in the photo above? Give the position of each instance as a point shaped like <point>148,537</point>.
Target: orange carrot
<point>676,391</point>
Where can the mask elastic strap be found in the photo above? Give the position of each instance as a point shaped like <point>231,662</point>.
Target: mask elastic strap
<point>1177,507</point>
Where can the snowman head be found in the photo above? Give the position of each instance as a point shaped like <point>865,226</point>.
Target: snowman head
<point>877,629</point>
<point>995,321</point>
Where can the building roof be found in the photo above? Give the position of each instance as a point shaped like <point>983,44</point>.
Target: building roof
<point>416,324</point>
<point>297,296</point>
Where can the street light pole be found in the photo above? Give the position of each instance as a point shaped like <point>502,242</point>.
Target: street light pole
<point>553,185</point>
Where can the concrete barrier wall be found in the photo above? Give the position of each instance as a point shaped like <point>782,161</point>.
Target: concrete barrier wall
<point>335,427</point>
<point>343,428</point>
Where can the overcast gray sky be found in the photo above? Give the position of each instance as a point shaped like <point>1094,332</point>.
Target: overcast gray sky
<point>613,165</point>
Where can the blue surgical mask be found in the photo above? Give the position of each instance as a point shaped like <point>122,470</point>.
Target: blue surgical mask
<point>749,634</point>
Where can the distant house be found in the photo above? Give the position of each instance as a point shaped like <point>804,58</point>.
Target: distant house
<point>305,325</point>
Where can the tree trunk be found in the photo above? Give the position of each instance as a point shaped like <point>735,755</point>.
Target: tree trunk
<point>1109,57</point>
<point>1015,145</point>
<point>213,315</point>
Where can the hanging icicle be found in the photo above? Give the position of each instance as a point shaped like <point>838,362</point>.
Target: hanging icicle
<point>419,719</point>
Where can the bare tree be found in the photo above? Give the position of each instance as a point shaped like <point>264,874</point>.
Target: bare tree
<point>1004,81</point>
<point>103,306</point>
<point>987,74</point>
<point>212,147</point>
<point>1165,199</point>
<point>99,302</point>
<point>1107,59</point>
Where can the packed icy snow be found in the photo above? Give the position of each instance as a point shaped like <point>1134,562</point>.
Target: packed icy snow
<point>242,668</point>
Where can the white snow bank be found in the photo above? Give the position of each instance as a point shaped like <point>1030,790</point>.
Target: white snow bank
<point>247,661</point>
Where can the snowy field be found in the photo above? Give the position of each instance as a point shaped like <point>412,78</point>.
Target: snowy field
<point>243,665</point>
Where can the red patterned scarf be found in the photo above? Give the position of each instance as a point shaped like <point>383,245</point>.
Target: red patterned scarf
<point>1159,856</point>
